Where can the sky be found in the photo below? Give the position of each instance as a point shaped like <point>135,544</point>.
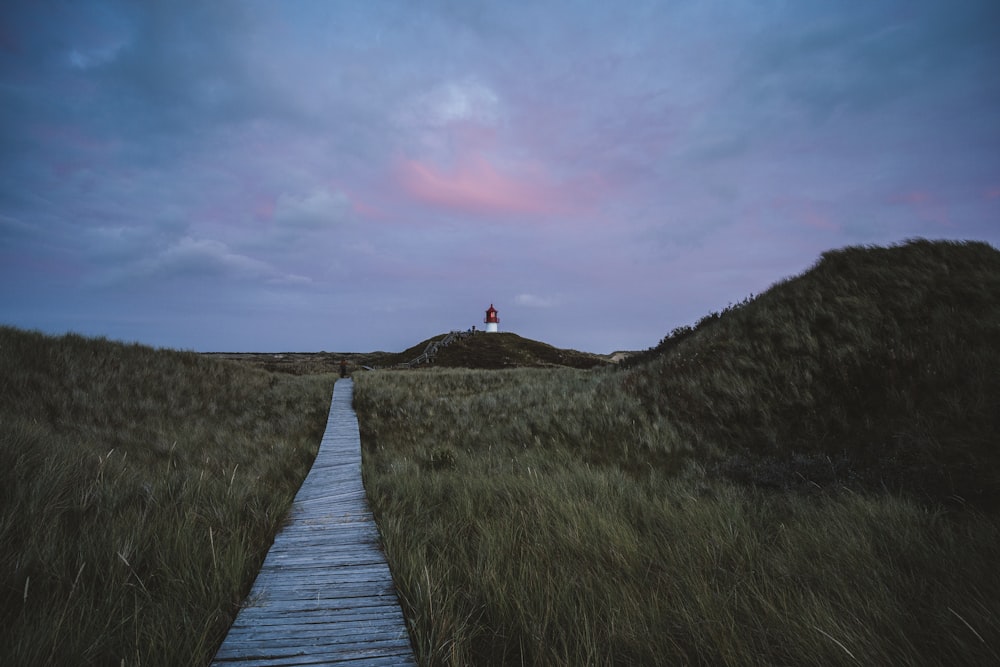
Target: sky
<point>359,176</point>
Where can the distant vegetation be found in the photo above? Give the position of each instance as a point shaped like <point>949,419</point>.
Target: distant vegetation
<point>497,351</point>
<point>140,492</point>
<point>809,477</point>
<point>469,350</point>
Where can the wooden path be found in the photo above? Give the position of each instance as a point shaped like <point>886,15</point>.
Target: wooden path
<point>324,594</point>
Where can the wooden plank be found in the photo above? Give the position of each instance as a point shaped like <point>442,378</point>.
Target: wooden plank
<point>313,660</point>
<point>347,595</point>
<point>338,597</point>
<point>365,561</point>
<point>301,645</point>
<point>285,602</point>
<point>332,530</point>
<point>297,644</point>
<point>298,630</point>
<point>324,594</point>
<point>278,636</point>
<point>278,624</point>
<point>348,607</point>
<point>274,646</point>
<point>333,653</point>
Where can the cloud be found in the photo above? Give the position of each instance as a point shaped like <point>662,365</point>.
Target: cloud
<point>535,301</point>
<point>802,211</point>
<point>928,206</point>
<point>104,50</point>
<point>191,258</point>
<point>460,101</point>
<point>319,208</point>
<point>475,186</point>
<point>12,228</point>
<point>228,147</point>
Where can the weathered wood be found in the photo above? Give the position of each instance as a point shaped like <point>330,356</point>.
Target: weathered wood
<point>324,594</point>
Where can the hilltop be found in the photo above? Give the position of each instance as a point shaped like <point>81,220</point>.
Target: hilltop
<point>480,350</point>
<point>500,350</point>
<point>880,363</point>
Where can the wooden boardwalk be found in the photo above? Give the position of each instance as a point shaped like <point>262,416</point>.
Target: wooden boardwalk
<point>324,595</point>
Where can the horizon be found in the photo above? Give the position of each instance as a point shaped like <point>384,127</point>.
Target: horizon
<point>479,329</point>
<point>251,177</point>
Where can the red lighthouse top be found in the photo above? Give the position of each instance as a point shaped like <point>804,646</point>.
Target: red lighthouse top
<point>491,316</point>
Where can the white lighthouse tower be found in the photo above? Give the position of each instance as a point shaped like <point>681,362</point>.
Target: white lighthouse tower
<point>492,321</point>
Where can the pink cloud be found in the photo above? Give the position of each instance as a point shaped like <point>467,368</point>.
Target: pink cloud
<point>264,207</point>
<point>914,197</point>
<point>992,193</point>
<point>360,205</point>
<point>927,206</point>
<point>366,210</point>
<point>72,137</point>
<point>476,186</point>
<point>805,212</point>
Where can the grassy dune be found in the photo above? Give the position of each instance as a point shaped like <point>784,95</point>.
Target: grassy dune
<point>140,491</point>
<point>517,536</point>
<point>884,360</point>
<point>807,478</point>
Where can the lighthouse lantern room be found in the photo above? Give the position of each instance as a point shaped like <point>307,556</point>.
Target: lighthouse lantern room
<point>492,321</point>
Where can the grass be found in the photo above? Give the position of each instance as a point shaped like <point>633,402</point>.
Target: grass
<point>140,490</point>
<point>883,360</point>
<point>809,477</point>
<point>514,540</point>
<point>506,350</point>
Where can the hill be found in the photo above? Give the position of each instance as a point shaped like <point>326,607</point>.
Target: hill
<point>139,492</point>
<point>877,363</point>
<point>160,478</point>
<point>486,351</point>
<point>813,471</point>
<point>500,350</point>
<point>307,363</point>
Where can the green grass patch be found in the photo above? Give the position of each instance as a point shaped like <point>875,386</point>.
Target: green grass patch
<point>140,490</point>
<point>809,477</point>
<point>882,360</point>
<point>522,530</point>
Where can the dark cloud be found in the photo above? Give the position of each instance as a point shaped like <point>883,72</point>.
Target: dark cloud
<point>245,174</point>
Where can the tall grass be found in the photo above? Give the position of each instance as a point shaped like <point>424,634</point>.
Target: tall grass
<point>521,530</point>
<point>140,492</point>
<point>886,359</point>
<point>810,477</point>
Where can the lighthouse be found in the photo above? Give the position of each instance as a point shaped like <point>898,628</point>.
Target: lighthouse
<point>492,321</point>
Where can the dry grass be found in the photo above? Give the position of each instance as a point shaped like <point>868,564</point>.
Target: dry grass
<point>140,490</point>
<point>521,531</point>
<point>810,477</point>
